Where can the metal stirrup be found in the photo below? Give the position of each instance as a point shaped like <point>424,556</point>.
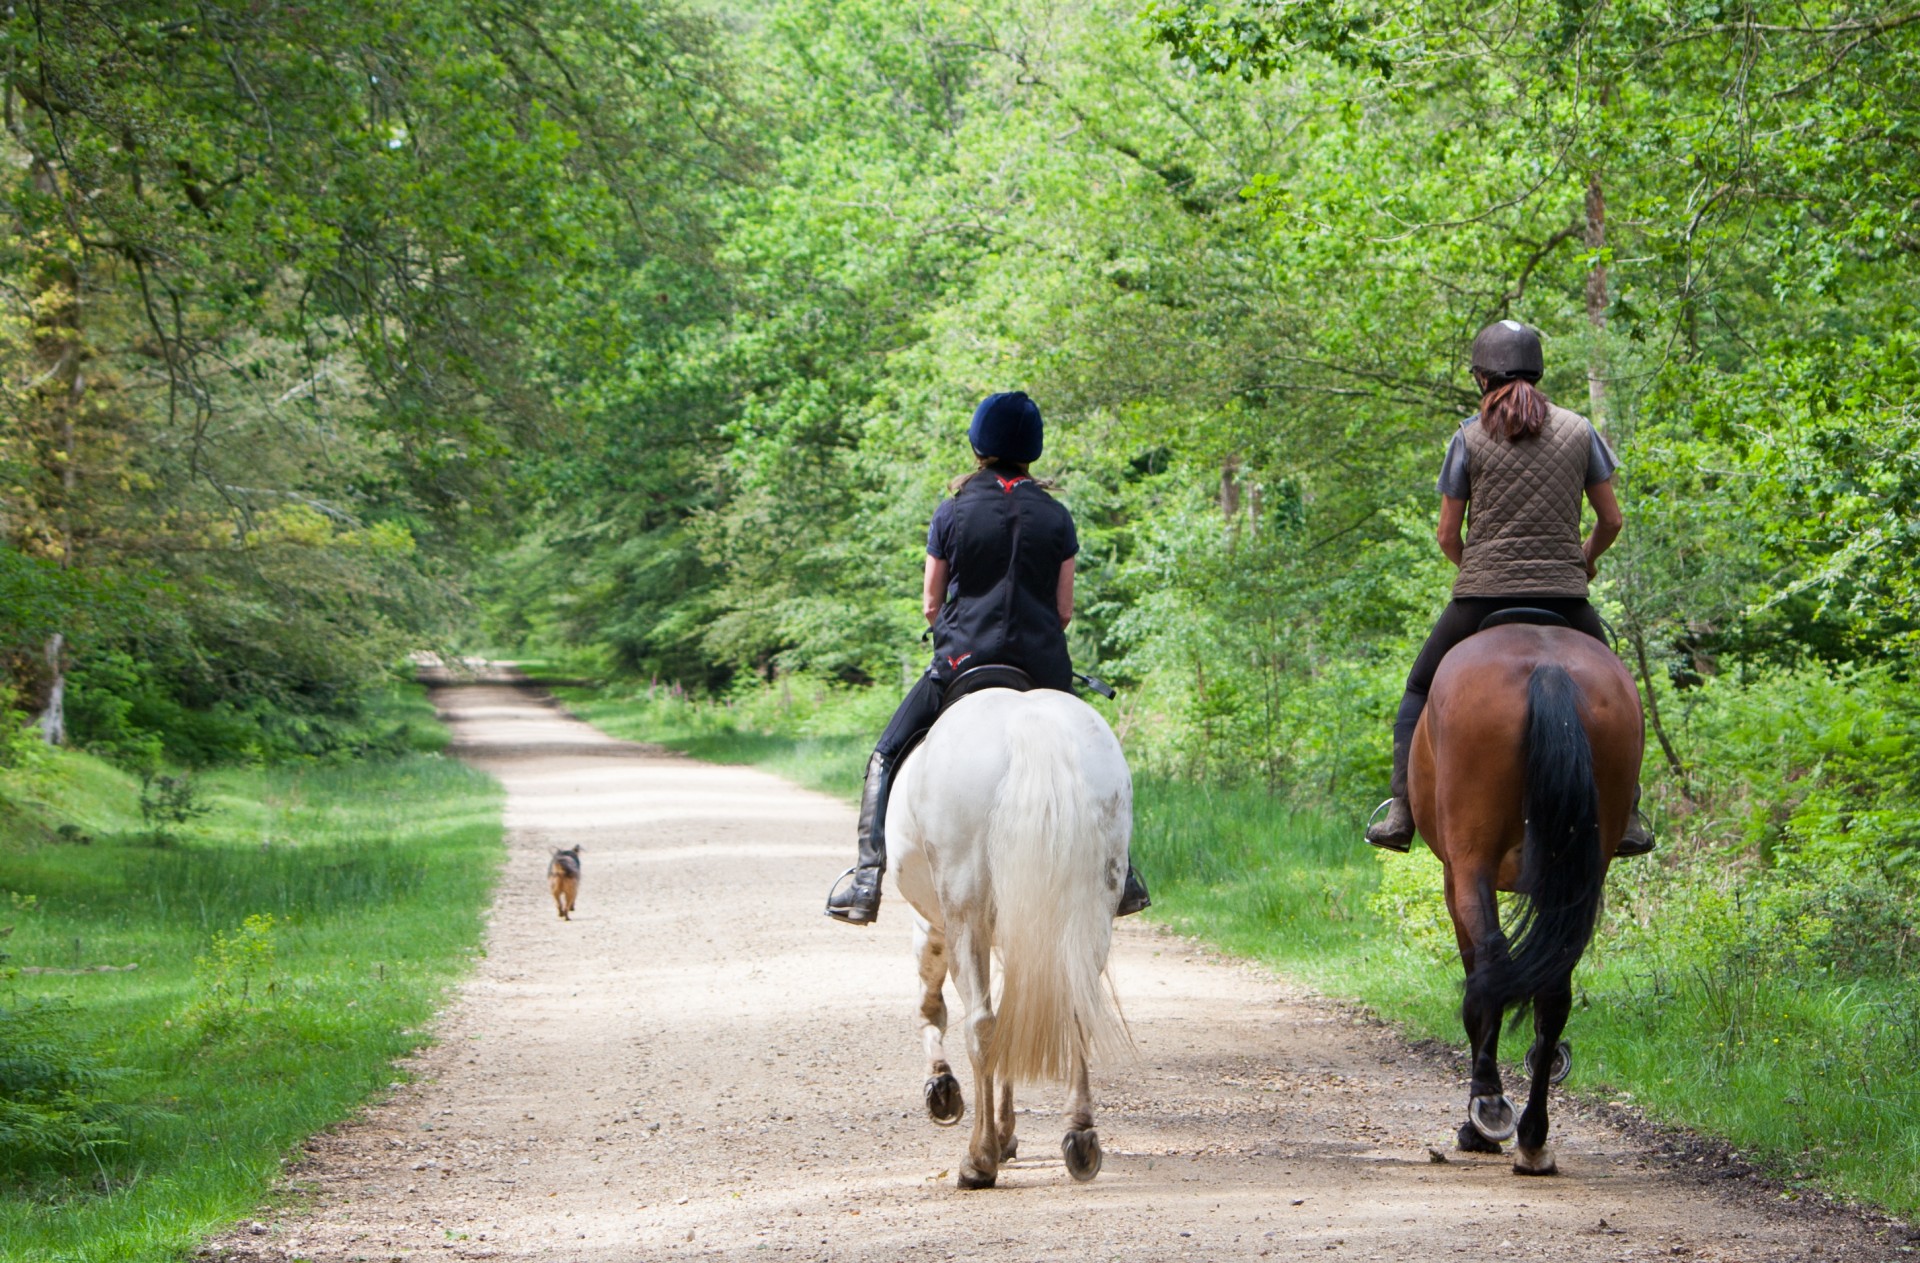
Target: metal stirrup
<point>838,913</point>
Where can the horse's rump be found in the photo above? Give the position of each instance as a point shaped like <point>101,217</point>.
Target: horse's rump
<point>1468,762</point>
<point>1016,812</point>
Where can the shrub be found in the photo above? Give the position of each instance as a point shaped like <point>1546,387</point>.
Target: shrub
<point>167,802</point>
<point>1409,899</point>
<point>54,1106</point>
<point>237,977</point>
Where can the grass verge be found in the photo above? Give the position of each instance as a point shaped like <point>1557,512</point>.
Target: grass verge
<point>1693,1005</point>
<point>290,944</point>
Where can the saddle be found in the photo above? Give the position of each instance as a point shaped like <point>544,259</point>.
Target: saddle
<point>1521,614</point>
<point>994,675</point>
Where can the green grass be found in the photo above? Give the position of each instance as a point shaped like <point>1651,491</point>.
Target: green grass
<point>374,875</point>
<point>1687,1006</point>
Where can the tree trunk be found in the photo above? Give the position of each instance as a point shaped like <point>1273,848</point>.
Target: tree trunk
<point>53,720</point>
<point>1674,765</point>
<point>1596,239</point>
<point>57,345</point>
<point>1230,487</point>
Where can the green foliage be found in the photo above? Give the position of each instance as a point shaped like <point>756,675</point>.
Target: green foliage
<point>372,879</point>
<point>1814,766</point>
<point>167,802</point>
<point>1257,44</point>
<point>57,1110</point>
<point>236,978</point>
<point>18,741</point>
<point>1409,899</point>
<point>319,326</point>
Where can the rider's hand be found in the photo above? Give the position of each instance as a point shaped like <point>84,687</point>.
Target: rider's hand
<point>1593,568</point>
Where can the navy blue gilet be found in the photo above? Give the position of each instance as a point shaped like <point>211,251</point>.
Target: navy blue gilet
<point>1006,546</point>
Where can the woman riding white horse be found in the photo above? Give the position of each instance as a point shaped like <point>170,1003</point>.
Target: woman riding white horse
<point>998,591</point>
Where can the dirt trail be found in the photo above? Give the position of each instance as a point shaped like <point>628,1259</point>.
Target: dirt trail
<point>700,1065</point>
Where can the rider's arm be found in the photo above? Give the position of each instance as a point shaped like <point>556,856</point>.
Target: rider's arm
<point>1063,596</point>
<point>934,594</point>
<point>1452,514</point>
<point>1607,523</point>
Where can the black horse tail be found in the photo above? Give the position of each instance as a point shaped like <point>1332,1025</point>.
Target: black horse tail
<point>1561,868</point>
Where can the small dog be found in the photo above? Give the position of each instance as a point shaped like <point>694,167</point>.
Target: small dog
<point>563,879</point>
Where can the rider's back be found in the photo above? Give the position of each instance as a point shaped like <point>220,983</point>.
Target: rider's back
<point>1004,539</point>
<point>1523,535</point>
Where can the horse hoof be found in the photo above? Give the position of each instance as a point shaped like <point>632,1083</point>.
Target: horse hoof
<point>1471,1141</point>
<point>1562,1063</point>
<point>1081,1149</point>
<point>970,1178</point>
<point>1492,1117</point>
<point>945,1105</point>
<point>1010,1150</point>
<point>1534,1161</point>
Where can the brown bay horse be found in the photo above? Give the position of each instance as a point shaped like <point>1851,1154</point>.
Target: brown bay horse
<point>1522,778</point>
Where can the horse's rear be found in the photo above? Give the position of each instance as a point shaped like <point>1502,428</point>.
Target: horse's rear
<point>1522,778</point>
<point>1009,827</point>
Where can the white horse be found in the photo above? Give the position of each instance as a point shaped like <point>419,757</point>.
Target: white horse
<point>1008,829</point>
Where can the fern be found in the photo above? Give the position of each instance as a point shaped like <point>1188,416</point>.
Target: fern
<point>56,1106</point>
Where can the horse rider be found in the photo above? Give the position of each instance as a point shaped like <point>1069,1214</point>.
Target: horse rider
<point>1523,464</point>
<point>998,590</point>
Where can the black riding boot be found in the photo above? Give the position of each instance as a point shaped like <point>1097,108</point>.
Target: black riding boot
<point>1133,894</point>
<point>857,901</point>
<point>1395,832</point>
<point>1638,839</point>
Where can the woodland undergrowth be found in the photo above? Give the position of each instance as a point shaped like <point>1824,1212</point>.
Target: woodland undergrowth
<point>189,991</point>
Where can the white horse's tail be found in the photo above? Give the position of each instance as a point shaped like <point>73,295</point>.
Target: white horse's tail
<point>1053,909</point>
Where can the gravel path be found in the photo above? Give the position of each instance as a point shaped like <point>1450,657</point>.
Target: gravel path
<point>700,1065</point>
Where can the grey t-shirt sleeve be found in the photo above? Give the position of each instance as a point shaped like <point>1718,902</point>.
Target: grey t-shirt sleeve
<point>1453,470</point>
<point>1601,462</point>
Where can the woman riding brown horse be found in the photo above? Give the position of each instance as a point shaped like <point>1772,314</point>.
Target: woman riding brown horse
<point>1522,779</point>
<point>1523,466</point>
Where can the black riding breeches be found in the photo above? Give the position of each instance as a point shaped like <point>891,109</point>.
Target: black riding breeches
<point>1461,619</point>
<point>915,715</point>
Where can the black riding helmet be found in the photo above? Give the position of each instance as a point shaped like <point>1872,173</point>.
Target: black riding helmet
<point>1507,349</point>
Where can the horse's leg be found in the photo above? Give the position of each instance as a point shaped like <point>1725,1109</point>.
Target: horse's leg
<point>1531,1156</point>
<point>1081,1146</point>
<point>1476,924</point>
<point>1009,1144</point>
<point>971,968</point>
<point>944,1102</point>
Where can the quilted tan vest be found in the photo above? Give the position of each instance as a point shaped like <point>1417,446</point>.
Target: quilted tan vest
<point>1523,520</point>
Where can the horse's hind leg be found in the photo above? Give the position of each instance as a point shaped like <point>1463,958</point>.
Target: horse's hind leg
<point>1483,951</point>
<point>971,968</point>
<point>1081,1145</point>
<point>944,1102</point>
<point>1531,1156</point>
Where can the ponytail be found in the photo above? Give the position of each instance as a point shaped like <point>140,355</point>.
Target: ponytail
<point>1513,410</point>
